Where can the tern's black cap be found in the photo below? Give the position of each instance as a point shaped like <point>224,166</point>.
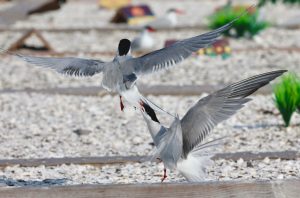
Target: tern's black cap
<point>124,46</point>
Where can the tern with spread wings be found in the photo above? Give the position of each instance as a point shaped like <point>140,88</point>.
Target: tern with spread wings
<point>180,146</point>
<point>120,75</point>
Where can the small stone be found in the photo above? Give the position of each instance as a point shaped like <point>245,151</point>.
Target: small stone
<point>266,160</point>
<point>280,176</point>
<point>249,164</point>
<point>80,132</point>
<point>137,140</point>
<point>240,162</point>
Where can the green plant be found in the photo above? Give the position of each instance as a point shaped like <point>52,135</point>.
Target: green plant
<point>247,25</point>
<point>298,91</point>
<point>263,2</point>
<point>287,96</point>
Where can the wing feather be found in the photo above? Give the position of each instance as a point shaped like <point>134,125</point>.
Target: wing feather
<point>69,65</point>
<point>173,54</point>
<point>221,105</point>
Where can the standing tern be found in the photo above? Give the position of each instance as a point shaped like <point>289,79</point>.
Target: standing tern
<point>120,75</point>
<point>144,40</point>
<point>179,146</point>
<point>168,20</point>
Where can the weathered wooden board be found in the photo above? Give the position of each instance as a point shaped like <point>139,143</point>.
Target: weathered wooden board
<point>24,7</point>
<point>98,161</point>
<point>186,90</point>
<point>244,189</point>
<point>20,43</point>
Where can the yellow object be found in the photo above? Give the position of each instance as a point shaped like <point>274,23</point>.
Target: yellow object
<point>140,20</point>
<point>209,51</point>
<point>227,49</point>
<point>113,4</point>
<point>219,50</point>
<point>201,51</point>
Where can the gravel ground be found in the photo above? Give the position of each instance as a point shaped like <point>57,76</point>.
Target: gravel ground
<point>48,126</point>
<point>148,172</point>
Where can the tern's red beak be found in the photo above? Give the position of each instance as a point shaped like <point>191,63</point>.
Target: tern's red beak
<point>180,11</point>
<point>150,29</point>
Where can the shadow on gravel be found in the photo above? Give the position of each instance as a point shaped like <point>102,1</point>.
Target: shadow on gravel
<point>20,182</point>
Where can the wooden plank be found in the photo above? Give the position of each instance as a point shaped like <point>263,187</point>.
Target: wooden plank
<point>249,156</point>
<point>172,90</point>
<point>20,10</point>
<point>98,161</point>
<point>18,44</point>
<point>245,189</point>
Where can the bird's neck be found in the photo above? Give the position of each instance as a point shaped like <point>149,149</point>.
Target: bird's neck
<point>122,58</point>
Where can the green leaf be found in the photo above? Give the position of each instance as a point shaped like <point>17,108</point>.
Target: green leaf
<point>287,96</point>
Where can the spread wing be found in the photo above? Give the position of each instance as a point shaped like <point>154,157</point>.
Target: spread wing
<point>173,54</point>
<point>69,65</point>
<point>219,106</point>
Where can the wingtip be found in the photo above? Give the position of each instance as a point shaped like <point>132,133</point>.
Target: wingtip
<point>246,11</point>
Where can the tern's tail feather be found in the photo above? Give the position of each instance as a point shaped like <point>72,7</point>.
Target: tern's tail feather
<point>194,167</point>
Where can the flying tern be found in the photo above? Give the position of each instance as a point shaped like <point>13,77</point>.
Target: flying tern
<point>120,74</point>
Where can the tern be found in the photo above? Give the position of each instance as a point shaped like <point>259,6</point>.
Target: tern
<point>144,40</point>
<point>179,146</point>
<point>168,20</point>
<point>120,74</point>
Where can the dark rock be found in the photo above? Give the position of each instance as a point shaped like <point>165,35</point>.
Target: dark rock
<point>82,131</point>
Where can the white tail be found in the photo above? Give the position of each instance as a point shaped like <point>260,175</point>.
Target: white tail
<point>194,167</point>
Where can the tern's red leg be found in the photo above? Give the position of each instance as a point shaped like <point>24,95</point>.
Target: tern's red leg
<point>142,106</point>
<point>165,175</point>
<point>121,103</point>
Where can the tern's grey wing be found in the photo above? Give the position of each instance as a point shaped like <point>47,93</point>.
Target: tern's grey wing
<point>219,106</point>
<point>70,66</point>
<point>169,56</point>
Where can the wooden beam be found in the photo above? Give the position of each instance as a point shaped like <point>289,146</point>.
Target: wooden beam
<point>172,90</point>
<point>245,189</point>
<point>20,43</point>
<point>21,9</point>
<point>98,161</point>
<point>125,27</point>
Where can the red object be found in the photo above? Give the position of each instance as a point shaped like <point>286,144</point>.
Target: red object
<point>170,42</point>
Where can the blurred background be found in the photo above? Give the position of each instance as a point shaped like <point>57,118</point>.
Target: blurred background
<point>40,117</point>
